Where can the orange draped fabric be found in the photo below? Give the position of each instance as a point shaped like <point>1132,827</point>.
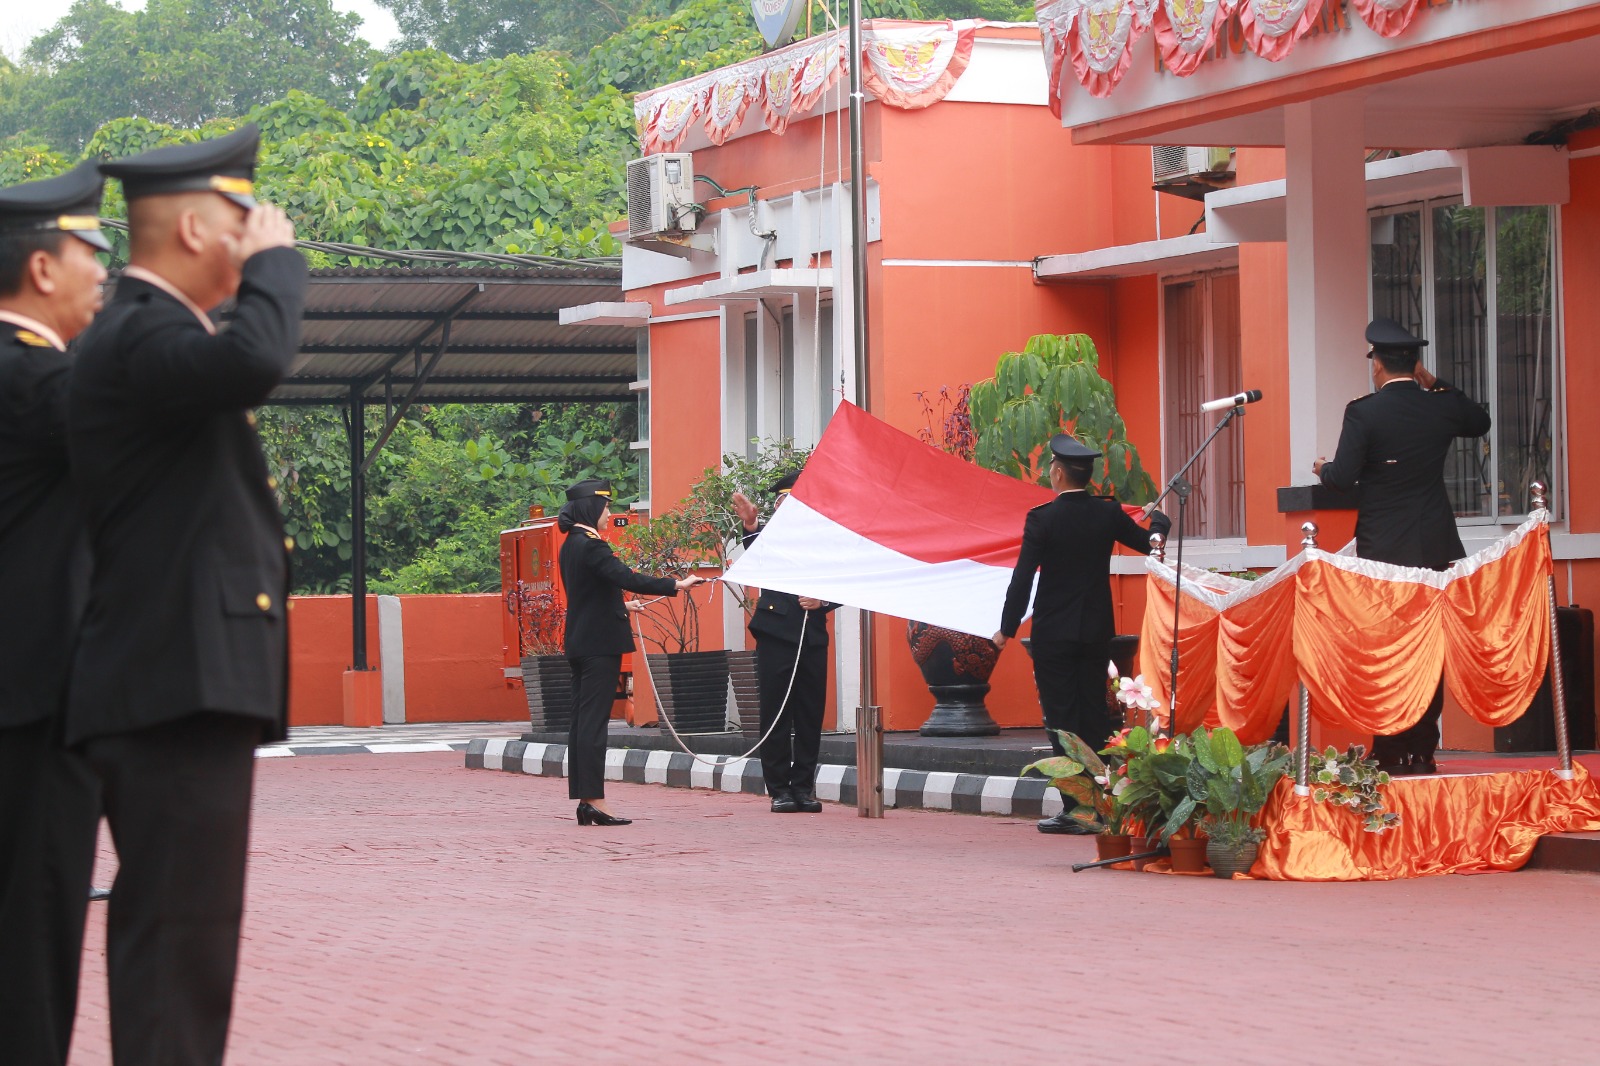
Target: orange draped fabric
<point>1471,823</point>
<point>1236,666</point>
<point>1368,639</point>
<point>1370,652</point>
<point>1255,662</point>
<point>1197,655</point>
<point>1497,631</point>
<point>1372,639</point>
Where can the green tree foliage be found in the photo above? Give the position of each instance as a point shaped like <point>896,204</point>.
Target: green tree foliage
<point>179,62</point>
<point>449,479</point>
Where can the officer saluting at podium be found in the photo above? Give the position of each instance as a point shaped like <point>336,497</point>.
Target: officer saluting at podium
<point>49,805</point>
<point>1394,443</point>
<point>182,666</point>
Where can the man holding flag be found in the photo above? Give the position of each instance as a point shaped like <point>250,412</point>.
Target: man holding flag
<point>1069,542</point>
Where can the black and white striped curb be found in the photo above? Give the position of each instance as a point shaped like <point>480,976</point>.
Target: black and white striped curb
<point>967,793</point>
<point>280,751</point>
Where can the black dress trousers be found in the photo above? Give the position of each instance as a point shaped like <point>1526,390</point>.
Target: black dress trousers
<point>177,797</point>
<point>1071,676</point>
<point>594,689</point>
<point>49,813</point>
<point>789,754</point>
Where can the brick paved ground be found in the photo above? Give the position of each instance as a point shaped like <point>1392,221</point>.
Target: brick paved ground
<point>406,910</point>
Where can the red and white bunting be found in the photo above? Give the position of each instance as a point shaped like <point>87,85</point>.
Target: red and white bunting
<point>907,65</point>
<point>1272,27</point>
<point>913,64</point>
<point>1101,39</point>
<point>1186,28</point>
<point>1388,17</point>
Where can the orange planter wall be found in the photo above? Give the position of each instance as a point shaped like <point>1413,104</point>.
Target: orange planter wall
<point>453,669</point>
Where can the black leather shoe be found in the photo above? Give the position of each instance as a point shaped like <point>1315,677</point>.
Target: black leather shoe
<point>589,814</point>
<point>783,802</point>
<point>1420,765</point>
<point>96,894</point>
<point>1394,769</point>
<point>805,801</point>
<point>1065,823</point>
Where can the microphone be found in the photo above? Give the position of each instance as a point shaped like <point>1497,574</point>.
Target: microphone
<point>1240,400</point>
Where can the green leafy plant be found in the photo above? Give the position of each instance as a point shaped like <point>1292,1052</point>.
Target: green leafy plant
<point>1229,783</point>
<point>1350,779</point>
<point>1054,386</point>
<point>1084,778</point>
<point>1157,794</point>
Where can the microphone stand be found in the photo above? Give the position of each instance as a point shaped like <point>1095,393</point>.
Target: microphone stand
<point>1180,486</point>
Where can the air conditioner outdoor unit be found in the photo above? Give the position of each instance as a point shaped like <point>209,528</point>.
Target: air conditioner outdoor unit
<point>661,196</point>
<point>1174,164</point>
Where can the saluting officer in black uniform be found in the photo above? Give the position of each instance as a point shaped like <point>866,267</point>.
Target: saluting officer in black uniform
<point>49,802</point>
<point>598,635</point>
<point>1069,542</point>
<point>181,668</point>
<point>1394,444</point>
<point>789,754</point>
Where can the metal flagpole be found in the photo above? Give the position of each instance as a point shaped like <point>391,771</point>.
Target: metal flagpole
<point>869,726</point>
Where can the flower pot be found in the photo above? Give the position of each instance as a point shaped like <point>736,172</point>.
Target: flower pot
<point>956,667</point>
<point>1188,854</point>
<point>693,689</point>
<point>1111,845</point>
<point>1229,859</point>
<point>1140,845</point>
<point>547,682</point>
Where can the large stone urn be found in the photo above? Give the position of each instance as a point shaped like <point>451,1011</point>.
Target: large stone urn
<point>956,667</point>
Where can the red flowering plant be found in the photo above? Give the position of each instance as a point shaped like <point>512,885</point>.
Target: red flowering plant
<point>541,617</point>
<point>1157,793</point>
<point>1088,783</point>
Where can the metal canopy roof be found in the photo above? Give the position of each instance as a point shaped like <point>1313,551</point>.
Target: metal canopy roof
<point>458,335</point>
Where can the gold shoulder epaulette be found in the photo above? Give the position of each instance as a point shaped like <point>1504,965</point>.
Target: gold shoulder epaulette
<point>32,339</point>
<point>1363,396</point>
<point>591,534</point>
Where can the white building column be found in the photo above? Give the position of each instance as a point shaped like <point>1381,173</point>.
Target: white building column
<point>1328,249</point>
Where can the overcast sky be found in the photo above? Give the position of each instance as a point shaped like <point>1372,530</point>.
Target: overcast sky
<point>26,19</point>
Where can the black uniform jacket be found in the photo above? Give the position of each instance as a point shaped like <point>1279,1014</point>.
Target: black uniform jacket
<point>1394,444</point>
<point>44,554</point>
<point>594,579</point>
<point>779,614</point>
<point>187,606</point>
<point>1069,541</point>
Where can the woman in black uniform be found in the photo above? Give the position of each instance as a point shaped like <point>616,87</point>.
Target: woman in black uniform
<point>597,637</point>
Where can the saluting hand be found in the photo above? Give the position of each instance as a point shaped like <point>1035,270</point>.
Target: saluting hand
<point>746,511</point>
<point>266,226</point>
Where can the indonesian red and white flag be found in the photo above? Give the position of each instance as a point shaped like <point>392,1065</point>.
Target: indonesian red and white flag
<point>881,521</point>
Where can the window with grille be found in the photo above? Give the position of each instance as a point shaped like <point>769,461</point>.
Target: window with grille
<point>1479,284</point>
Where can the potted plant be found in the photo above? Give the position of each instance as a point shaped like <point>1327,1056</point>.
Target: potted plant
<point>1352,780</point>
<point>1092,783</point>
<point>540,615</point>
<point>1157,793</point>
<point>1230,784</point>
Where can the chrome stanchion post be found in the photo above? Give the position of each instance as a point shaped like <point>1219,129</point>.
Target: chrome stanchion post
<point>1302,744</point>
<point>1558,688</point>
<point>1158,550</point>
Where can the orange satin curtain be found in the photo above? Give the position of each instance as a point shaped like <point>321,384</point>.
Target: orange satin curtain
<point>1236,667</point>
<point>1197,654</point>
<point>1454,824</point>
<point>1370,650</point>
